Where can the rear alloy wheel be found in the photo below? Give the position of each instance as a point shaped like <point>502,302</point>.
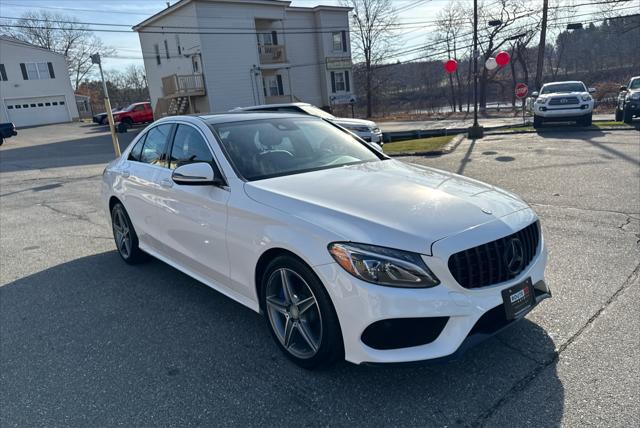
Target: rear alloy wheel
<point>125,236</point>
<point>299,313</point>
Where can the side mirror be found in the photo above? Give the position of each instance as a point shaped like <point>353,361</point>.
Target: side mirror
<point>534,94</point>
<point>592,90</point>
<point>623,88</point>
<point>196,174</point>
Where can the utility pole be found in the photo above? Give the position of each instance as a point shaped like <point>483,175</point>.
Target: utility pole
<point>476,131</point>
<point>541,46</point>
<point>95,59</point>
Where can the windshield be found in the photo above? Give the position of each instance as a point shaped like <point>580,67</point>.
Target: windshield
<point>635,84</point>
<point>315,111</point>
<point>563,87</point>
<point>283,146</point>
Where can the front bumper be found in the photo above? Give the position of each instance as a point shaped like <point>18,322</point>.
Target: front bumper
<point>558,113</point>
<point>359,305</point>
<point>633,107</point>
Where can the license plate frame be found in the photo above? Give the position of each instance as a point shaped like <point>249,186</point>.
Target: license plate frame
<point>518,299</point>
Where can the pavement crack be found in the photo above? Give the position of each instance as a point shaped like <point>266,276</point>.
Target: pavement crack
<point>81,217</point>
<point>524,382</point>
<point>630,215</point>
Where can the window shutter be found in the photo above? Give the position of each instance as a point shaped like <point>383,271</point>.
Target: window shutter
<point>23,68</point>
<point>280,86</point>
<point>3,73</point>
<point>346,81</point>
<point>333,82</point>
<point>344,41</point>
<point>274,37</point>
<point>51,73</point>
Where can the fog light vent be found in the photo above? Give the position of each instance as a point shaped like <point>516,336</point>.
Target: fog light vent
<point>403,332</point>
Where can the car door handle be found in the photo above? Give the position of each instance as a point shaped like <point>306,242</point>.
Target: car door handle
<point>167,183</point>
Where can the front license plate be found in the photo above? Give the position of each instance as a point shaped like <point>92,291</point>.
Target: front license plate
<point>518,299</point>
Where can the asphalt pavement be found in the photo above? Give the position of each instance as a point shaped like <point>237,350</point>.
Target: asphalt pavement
<point>86,340</point>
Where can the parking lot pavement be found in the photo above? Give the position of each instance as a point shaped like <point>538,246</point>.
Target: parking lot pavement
<point>88,340</point>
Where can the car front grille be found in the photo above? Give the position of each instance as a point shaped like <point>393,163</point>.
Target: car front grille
<point>496,261</point>
<point>563,101</point>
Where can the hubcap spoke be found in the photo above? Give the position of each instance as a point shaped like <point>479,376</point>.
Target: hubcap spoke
<point>288,331</point>
<point>277,306</point>
<point>306,335</point>
<point>305,304</point>
<point>286,286</point>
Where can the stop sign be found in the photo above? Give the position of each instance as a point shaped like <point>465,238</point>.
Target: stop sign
<point>521,90</point>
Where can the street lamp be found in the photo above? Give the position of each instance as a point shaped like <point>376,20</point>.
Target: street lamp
<point>477,131</point>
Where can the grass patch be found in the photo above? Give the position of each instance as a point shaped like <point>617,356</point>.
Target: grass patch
<point>418,145</point>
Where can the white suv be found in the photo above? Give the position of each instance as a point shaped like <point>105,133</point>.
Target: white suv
<point>563,102</point>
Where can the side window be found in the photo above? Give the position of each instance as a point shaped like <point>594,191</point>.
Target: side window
<point>153,150</point>
<point>189,147</point>
<point>135,153</point>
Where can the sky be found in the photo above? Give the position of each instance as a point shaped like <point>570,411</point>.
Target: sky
<point>412,14</point>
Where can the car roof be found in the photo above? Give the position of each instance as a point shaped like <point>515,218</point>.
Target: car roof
<point>564,81</point>
<point>272,106</point>
<point>242,116</point>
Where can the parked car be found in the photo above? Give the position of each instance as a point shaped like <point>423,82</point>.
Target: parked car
<point>277,212</point>
<point>101,118</point>
<point>563,102</point>
<point>7,130</point>
<point>134,113</point>
<point>628,105</point>
<point>365,129</point>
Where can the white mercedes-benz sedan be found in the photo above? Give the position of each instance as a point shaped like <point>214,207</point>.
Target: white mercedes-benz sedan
<point>348,253</point>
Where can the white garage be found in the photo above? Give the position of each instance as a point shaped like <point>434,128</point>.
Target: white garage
<point>37,110</point>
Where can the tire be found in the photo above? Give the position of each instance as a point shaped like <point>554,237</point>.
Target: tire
<point>618,115</point>
<point>103,120</point>
<point>587,120</point>
<point>627,116</point>
<point>125,236</point>
<point>299,313</point>
<point>537,122</point>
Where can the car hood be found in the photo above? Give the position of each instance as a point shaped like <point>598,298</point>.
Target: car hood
<point>564,94</point>
<point>387,203</point>
<point>346,122</point>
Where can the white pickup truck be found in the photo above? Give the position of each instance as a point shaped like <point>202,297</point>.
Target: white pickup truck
<point>563,102</point>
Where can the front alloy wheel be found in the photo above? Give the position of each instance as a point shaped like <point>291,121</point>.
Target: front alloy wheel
<point>299,313</point>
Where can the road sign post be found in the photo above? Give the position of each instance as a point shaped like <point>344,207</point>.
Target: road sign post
<point>521,93</point>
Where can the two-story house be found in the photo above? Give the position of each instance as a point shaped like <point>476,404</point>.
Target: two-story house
<point>213,55</point>
<point>35,88</point>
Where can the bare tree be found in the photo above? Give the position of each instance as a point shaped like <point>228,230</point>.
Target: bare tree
<point>61,34</point>
<point>372,36</point>
<point>449,26</point>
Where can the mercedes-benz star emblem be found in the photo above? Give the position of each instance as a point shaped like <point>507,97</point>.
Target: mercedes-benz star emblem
<point>514,256</point>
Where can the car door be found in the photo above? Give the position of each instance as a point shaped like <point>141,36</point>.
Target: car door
<point>146,160</point>
<point>194,218</point>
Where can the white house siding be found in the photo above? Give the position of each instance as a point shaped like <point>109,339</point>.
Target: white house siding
<point>306,80</point>
<point>229,58</point>
<point>47,100</point>
<point>182,20</point>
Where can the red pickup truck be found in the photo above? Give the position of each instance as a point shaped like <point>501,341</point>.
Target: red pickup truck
<point>134,113</point>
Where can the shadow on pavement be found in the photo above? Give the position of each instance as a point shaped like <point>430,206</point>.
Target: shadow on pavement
<point>97,342</point>
<point>83,151</point>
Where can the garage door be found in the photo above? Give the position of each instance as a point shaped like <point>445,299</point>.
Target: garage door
<point>37,111</point>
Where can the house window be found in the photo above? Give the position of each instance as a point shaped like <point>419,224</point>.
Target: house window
<point>37,70</point>
<point>340,81</point>
<point>3,73</point>
<point>268,39</point>
<point>273,86</point>
<point>157,50</point>
<point>339,40</point>
<point>166,49</point>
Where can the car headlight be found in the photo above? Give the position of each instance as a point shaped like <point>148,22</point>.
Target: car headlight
<point>541,100</point>
<point>383,266</point>
<point>586,98</point>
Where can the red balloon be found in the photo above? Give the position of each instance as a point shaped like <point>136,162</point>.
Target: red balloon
<point>450,66</point>
<point>502,58</point>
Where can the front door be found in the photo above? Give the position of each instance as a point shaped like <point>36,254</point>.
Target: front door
<point>194,218</point>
